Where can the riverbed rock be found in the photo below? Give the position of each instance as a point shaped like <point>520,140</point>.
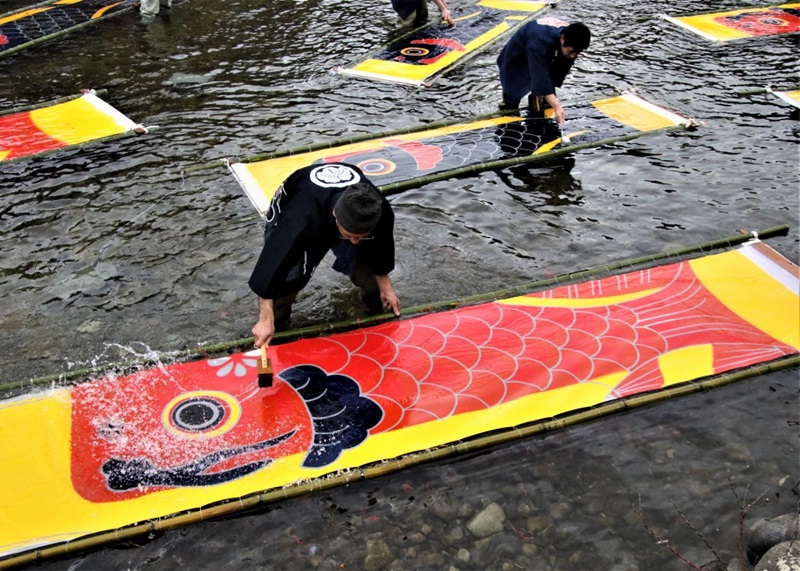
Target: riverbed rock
<point>784,556</point>
<point>766,533</point>
<point>379,555</point>
<point>487,522</point>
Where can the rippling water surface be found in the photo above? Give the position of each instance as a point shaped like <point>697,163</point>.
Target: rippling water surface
<point>120,246</point>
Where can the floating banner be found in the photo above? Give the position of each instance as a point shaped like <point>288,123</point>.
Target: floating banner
<point>419,55</point>
<point>30,26</point>
<point>186,441</point>
<point>745,23</point>
<point>57,125</point>
<point>407,159</point>
<point>790,97</point>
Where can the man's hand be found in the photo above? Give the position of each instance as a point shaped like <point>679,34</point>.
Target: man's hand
<point>264,329</point>
<point>389,299</point>
<point>447,18</point>
<point>560,115</point>
<point>555,105</point>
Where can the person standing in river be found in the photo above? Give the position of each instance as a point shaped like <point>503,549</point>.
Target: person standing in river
<point>415,12</point>
<point>320,208</point>
<point>537,59</point>
<point>150,8</point>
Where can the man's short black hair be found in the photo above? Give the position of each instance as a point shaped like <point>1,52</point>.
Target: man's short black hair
<point>358,209</point>
<point>577,36</point>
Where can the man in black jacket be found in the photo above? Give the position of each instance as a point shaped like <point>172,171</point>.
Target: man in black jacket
<point>537,59</point>
<point>320,208</point>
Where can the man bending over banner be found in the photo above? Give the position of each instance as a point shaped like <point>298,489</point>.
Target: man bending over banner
<point>537,59</point>
<point>320,208</point>
<point>415,12</point>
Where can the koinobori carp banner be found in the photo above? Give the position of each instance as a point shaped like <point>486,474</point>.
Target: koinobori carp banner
<point>29,26</point>
<point>744,23</point>
<point>477,145</point>
<point>416,57</point>
<point>115,451</point>
<point>59,125</point>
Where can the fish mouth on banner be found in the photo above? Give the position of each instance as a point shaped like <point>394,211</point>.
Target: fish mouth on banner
<point>123,475</point>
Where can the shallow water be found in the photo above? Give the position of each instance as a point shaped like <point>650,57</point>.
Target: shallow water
<point>115,245</point>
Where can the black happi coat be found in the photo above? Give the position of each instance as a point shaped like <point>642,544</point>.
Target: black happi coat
<point>301,229</point>
<point>532,61</point>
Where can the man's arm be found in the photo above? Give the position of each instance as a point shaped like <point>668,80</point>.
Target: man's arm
<point>555,105</point>
<point>442,5</point>
<point>388,297</point>
<point>264,329</point>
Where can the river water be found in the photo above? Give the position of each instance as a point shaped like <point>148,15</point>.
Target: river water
<point>118,249</point>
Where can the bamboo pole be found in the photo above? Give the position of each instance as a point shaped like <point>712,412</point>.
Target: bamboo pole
<point>130,133</point>
<point>50,37</point>
<point>24,108</point>
<point>763,90</point>
<point>381,468</point>
<point>561,151</point>
<point>342,326</point>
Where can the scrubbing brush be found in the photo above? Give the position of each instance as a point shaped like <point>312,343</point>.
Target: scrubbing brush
<point>264,369</point>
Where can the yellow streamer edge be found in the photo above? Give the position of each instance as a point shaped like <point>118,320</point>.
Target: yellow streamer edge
<point>74,122</point>
<point>529,300</point>
<point>634,112</point>
<point>102,12</point>
<point>752,294</point>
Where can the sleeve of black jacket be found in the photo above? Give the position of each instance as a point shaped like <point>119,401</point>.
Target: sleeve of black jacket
<point>379,252</point>
<point>282,250</point>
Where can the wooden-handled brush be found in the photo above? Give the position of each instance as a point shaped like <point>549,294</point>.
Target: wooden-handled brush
<point>264,369</point>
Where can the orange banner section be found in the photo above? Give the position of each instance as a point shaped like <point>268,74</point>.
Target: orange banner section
<point>744,23</point>
<point>117,451</point>
<point>47,128</point>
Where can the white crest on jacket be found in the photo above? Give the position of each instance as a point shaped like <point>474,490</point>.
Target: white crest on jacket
<point>334,176</point>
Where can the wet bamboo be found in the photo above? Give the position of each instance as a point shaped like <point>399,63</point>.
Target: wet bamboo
<point>25,108</point>
<point>563,150</point>
<point>768,89</point>
<point>382,468</point>
<point>341,326</point>
<point>130,133</point>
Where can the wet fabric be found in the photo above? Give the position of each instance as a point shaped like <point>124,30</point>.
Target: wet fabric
<point>112,454</point>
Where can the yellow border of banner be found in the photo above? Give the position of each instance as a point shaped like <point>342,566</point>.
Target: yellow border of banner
<point>416,75</point>
<point>704,25</point>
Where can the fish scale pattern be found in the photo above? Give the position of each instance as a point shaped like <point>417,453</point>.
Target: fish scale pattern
<point>40,23</point>
<point>399,161</point>
<point>613,332</point>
